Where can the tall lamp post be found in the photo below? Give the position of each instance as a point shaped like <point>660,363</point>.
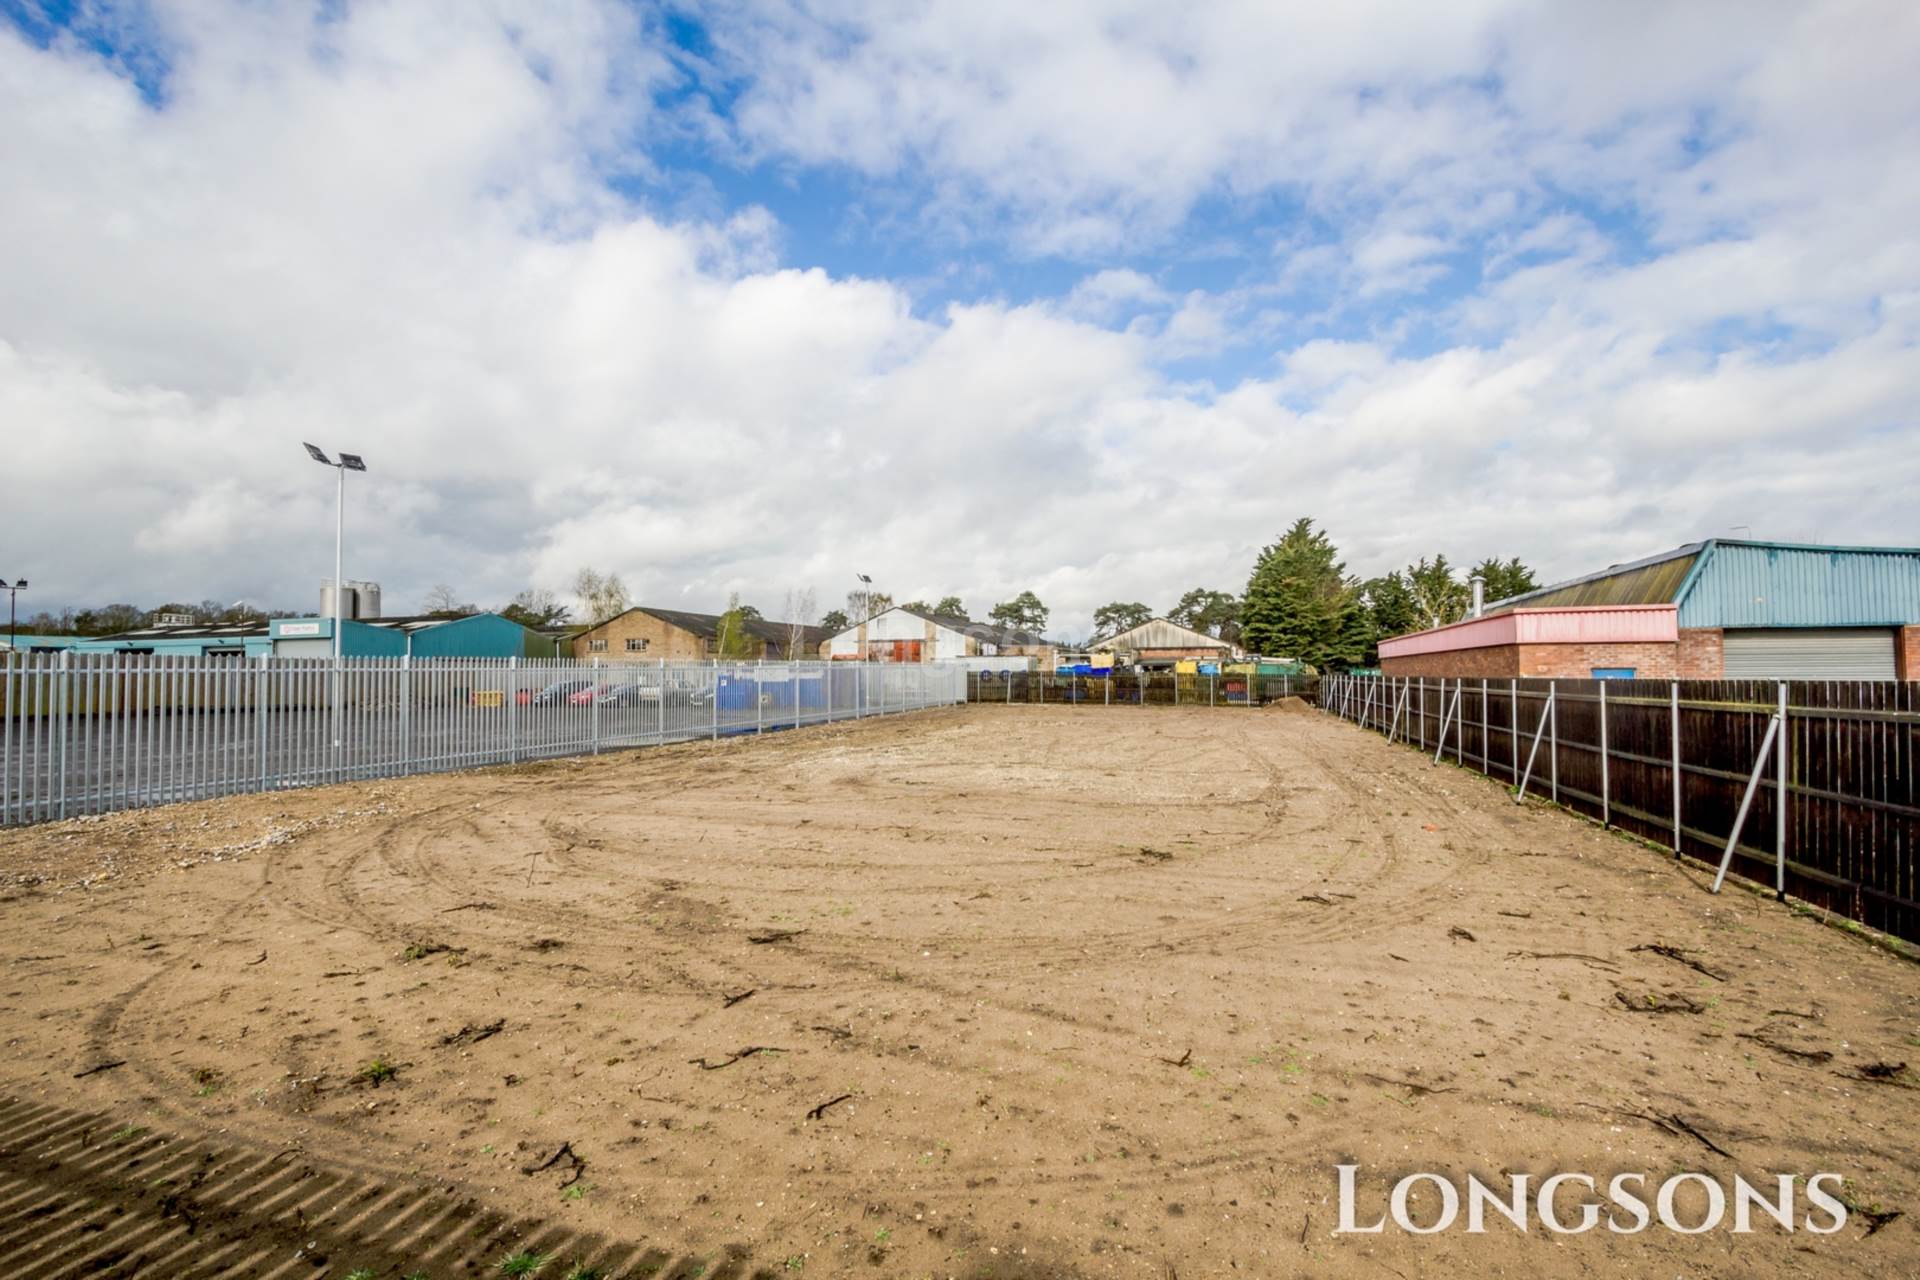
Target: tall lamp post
<point>867,608</point>
<point>348,462</point>
<point>13,590</point>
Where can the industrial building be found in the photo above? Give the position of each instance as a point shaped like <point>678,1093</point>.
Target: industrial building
<point>363,634</point>
<point>1718,609</point>
<point>647,633</point>
<point>478,635</point>
<point>901,634</point>
<point>1161,645</point>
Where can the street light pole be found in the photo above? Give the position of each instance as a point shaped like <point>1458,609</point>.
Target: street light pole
<point>348,462</point>
<point>13,598</point>
<point>339,554</point>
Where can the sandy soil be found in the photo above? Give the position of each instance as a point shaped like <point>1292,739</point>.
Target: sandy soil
<point>990,991</point>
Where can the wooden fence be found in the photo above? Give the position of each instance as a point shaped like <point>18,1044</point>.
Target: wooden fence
<point>1831,807</point>
<point>1136,688</point>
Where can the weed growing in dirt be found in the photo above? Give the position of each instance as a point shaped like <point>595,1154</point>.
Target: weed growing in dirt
<point>362,1273</point>
<point>206,1080</point>
<point>583,1272</point>
<point>377,1072</point>
<point>525,1262</point>
<point>578,1191</point>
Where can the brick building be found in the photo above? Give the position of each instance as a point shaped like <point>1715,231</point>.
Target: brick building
<point>1719,609</point>
<point>648,634</point>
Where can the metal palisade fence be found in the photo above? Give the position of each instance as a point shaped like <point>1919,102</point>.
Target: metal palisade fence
<point>1811,787</point>
<point>93,733</point>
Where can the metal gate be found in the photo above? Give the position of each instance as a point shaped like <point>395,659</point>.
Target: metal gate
<point>1810,653</point>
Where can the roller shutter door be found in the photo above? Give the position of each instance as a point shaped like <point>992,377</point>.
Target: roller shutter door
<point>1851,653</point>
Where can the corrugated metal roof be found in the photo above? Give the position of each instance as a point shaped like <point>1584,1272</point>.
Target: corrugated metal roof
<point>1782,584</point>
<point>1743,583</point>
<point>991,632</point>
<point>1160,633</point>
<point>1655,580</point>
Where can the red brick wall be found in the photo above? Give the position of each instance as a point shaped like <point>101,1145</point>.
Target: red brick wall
<point>1495,660</point>
<point>1906,653</point>
<point>1649,661</point>
<point>1702,653</point>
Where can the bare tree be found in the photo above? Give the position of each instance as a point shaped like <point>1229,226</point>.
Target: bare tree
<point>443,599</point>
<point>800,612</point>
<point>602,596</point>
<point>864,603</point>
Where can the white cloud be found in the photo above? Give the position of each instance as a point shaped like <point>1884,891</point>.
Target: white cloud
<point>393,230</point>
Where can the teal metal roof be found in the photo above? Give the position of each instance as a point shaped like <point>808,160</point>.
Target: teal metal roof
<point>1786,584</point>
<point>1741,583</point>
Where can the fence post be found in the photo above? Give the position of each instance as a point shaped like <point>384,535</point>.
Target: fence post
<point>10,709</point>
<point>759,710</point>
<point>1553,712</point>
<point>593,705</point>
<point>1673,720</point>
<point>1780,801</point>
<point>716,699</point>
<point>513,712</point>
<point>1486,733</point>
<point>1513,729</point>
<point>1606,787</point>
<point>65,699</point>
<point>260,718</point>
<point>661,716</point>
<point>1746,799</point>
<point>405,759</point>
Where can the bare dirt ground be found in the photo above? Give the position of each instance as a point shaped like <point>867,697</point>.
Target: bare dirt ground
<point>981,992</point>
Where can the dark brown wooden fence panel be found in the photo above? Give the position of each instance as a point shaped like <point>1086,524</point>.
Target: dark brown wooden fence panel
<point>1852,815</point>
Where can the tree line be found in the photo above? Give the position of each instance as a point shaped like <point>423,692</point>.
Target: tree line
<point>1300,602</point>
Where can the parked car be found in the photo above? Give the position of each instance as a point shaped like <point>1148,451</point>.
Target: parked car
<point>629,695</point>
<point>585,695</point>
<point>559,693</point>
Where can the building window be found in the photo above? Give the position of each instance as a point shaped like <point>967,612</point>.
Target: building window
<point>596,646</point>
<point>636,645</point>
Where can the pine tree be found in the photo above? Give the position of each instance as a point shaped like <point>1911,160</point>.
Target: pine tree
<point>1300,603</point>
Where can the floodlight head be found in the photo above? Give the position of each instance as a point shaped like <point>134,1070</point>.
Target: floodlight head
<point>313,451</point>
<point>864,578</point>
<point>353,462</point>
<point>20,585</point>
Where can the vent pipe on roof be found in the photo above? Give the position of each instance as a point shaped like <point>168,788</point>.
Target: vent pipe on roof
<point>1479,595</point>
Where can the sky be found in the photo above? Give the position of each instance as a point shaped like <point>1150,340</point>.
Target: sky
<point>1092,299</point>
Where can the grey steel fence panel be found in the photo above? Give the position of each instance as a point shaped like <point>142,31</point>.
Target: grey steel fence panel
<point>96,733</point>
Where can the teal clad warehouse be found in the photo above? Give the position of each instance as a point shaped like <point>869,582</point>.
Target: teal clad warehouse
<point>480,635</point>
<point>1783,584</point>
<point>477,635</point>
<point>1747,609</point>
